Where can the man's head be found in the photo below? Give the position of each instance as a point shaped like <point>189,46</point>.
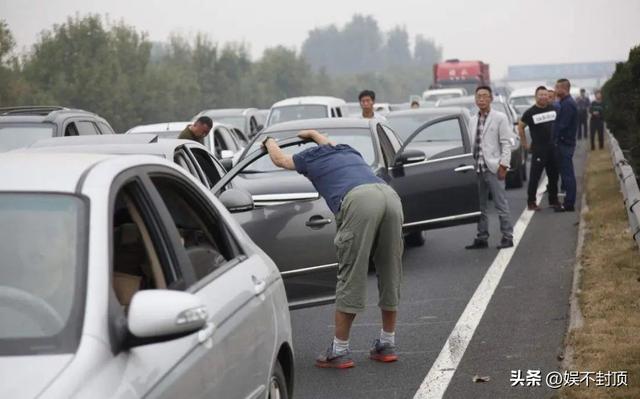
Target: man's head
<point>367,98</point>
<point>599,95</point>
<point>201,127</point>
<point>484,97</point>
<point>583,92</point>
<point>542,96</point>
<point>415,104</point>
<point>563,88</point>
<point>551,95</point>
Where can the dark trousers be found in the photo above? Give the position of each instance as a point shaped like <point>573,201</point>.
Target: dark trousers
<point>543,158</point>
<point>597,126</point>
<point>582,126</point>
<point>565,166</point>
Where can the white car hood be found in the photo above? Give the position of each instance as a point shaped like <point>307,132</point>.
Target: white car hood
<point>27,376</point>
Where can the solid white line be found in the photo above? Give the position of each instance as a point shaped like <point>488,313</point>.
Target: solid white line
<point>437,380</point>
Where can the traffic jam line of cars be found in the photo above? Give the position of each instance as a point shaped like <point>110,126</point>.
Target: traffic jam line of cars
<point>144,265</point>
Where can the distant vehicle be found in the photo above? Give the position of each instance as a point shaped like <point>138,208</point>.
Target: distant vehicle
<point>249,120</point>
<point>440,94</point>
<point>517,173</point>
<point>522,99</point>
<point>22,126</point>
<point>300,108</point>
<point>122,276</point>
<point>221,141</point>
<point>463,74</point>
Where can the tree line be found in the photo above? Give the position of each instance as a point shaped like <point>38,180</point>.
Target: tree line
<point>116,71</point>
<point>621,96</point>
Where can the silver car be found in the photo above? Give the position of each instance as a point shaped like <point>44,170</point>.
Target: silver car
<point>124,277</point>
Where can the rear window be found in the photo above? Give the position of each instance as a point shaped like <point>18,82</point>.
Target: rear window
<point>297,112</point>
<point>13,136</point>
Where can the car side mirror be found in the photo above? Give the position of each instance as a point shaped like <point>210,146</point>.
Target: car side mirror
<point>160,315</point>
<point>237,200</point>
<point>409,156</point>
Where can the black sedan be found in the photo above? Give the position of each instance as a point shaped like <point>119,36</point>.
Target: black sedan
<point>284,215</point>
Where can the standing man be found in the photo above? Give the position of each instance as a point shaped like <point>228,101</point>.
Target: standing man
<point>583,113</point>
<point>539,118</point>
<point>367,100</point>
<point>552,99</point>
<point>369,219</point>
<point>492,154</point>
<point>198,130</point>
<point>564,132</point>
<point>597,121</point>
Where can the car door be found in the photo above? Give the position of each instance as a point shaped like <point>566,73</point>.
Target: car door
<point>233,355</point>
<point>296,230</point>
<point>441,190</point>
<point>210,169</point>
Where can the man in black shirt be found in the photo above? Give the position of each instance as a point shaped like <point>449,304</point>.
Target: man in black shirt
<point>539,118</point>
<point>597,121</point>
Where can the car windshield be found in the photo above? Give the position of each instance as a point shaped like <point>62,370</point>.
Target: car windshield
<point>525,100</point>
<point>296,112</point>
<point>441,96</point>
<point>404,125</point>
<point>42,275</point>
<point>14,136</point>
<point>237,121</point>
<point>358,138</point>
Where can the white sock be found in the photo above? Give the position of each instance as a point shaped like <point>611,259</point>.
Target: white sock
<point>387,337</point>
<point>340,346</point>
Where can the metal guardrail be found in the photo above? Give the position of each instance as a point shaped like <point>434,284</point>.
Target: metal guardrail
<point>628,186</point>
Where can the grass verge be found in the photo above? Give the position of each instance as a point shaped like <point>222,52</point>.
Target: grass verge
<point>609,293</point>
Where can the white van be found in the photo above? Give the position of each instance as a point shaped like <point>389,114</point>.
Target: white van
<point>441,94</point>
<point>311,107</point>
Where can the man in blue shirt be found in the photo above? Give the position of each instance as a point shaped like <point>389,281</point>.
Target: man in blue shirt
<point>369,219</point>
<point>564,133</point>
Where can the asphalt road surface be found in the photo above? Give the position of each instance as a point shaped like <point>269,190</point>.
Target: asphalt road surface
<point>522,327</point>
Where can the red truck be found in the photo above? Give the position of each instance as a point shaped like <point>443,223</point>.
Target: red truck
<point>463,74</point>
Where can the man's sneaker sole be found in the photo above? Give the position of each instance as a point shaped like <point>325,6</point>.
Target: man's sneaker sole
<point>384,358</point>
<point>330,365</point>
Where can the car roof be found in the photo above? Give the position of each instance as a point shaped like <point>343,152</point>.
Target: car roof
<point>523,92</point>
<point>445,91</point>
<point>39,114</point>
<point>113,139</point>
<point>26,171</point>
<point>323,100</point>
<point>159,127</point>
<point>225,112</point>
<point>427,111</point>
<point>320,123</point>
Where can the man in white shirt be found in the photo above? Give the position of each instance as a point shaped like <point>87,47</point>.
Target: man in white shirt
<point>367,100</point>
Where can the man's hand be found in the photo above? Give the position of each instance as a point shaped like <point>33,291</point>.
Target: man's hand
<point>502,172</point>
<point>316,136</point>
<point>264,142</point>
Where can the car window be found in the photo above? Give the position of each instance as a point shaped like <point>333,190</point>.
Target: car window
<point>71,130</point>
<point>22,135</point>
<point>207,164</point>
<point>105,129</point>
<point>43,241</point>
<point>296,112</point>
<point>358,138</point>
<point>387,149</point>
<point>182,159</point>
<point>393,138</point>
<point>86,128</point>
<point>447,131</point>
<point>407,124</point>
<point>202,233</point>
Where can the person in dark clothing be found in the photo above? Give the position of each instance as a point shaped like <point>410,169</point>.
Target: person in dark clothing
<point>583,114</point>
<point>539,118</point>
<point>564,133</point>
<point>596,110</point>
<point>198,130</point>
<point>369,219</point>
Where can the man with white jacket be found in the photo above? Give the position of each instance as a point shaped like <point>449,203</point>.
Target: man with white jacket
<point>492,142</point>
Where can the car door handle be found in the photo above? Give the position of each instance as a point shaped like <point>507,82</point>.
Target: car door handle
<point>463,168</point>
<point>206,332</point>
<point>258,285</point>
<point>317,222</point>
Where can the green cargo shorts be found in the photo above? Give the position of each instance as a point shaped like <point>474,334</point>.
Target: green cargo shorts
<point>369,230</point>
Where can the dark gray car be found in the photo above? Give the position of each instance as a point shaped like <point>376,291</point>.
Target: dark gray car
<point>22,126</point>
<point>290,222</point>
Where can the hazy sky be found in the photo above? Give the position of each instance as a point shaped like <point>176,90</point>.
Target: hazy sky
<point>501,32</point>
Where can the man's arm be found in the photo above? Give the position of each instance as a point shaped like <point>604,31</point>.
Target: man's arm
<point>316,136</point>
<point>278,157</point>
<point>523,136</point>
<point>506,137</point>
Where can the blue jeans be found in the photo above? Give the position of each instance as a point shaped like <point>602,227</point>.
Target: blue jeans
<point>565,165</point>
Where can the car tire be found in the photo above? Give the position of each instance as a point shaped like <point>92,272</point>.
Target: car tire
<point>278,383</point>
<point>415,239</point>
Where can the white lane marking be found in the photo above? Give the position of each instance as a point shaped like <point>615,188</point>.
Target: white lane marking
<point>437,380</point>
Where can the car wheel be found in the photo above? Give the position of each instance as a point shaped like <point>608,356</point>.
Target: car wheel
<point>415,239</point>
<point>278,383</point>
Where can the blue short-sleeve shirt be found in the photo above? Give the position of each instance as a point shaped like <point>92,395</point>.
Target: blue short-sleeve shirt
<point>334,171</point>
